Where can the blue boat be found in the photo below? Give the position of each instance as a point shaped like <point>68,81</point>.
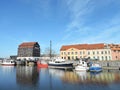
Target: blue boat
<point>95,68</point>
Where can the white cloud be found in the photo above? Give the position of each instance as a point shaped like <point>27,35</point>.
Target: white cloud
<point>104,30</point>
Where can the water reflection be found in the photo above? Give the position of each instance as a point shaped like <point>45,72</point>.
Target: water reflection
<point>82,75</point>
<point>27,75</point>
<point>32,78</point>
<point>78,77</point>
<point>7,69</point>
<point>56,72</point>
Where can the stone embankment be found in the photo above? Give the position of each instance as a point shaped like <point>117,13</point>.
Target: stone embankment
<point>105,64</point>
<point>109,64</point>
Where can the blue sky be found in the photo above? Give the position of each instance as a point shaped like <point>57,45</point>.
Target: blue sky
<point>62,21</point>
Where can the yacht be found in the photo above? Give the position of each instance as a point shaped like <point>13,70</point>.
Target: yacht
<point>8,62</point>
<point>81,66</point>
<point>60,63</point>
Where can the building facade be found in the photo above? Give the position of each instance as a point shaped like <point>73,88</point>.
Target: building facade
<point>115,48</point>
<point>93,51</point>
<point>28,50</point>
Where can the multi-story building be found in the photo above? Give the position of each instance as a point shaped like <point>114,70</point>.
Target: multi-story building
<point>115,48</point>
<point>28,50</point>
<point>94,51</point>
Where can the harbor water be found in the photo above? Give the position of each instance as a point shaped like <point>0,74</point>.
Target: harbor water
<point>33,78</point>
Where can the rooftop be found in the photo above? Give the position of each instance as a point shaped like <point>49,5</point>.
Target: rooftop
<point>83,46</point>
<point>27,44</point>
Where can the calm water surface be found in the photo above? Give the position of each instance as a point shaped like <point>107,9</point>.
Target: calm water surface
<point>33,78</point>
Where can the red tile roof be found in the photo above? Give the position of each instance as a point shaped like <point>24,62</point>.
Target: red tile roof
<point>83,46</point>
<point>114,46</point>
<point>27,45</point>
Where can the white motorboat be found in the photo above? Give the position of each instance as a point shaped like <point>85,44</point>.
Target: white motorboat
<point>82,66</point>
<point>8,62</point>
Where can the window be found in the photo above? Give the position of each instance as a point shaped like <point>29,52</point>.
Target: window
<point>68,58</point>
<point>106,58</point>
<point>101,52</point>
<point>109,52</point>
<point>105,52</point>
<point>72,57</point>
<point>102,58</point>
<point>98,57</point>
<point>97,52</point>
<point>68,53</point>
<point>109,58</point>
<point>72,53</point>
<point>76,58</point>
<point>83,52</point>
<point>80,53</point>
<point>88,53</point>
<point>93,52</point>
<point>76,53</point>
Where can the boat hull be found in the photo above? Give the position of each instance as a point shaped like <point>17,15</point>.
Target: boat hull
<point>61,65</point>
<point>4,64</point>
<point>42,65</point>
<point>95,69</point>
<point>8,62</point>
<point>80,68</point>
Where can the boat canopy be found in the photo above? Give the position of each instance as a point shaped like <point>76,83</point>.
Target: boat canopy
<point>59,60</point>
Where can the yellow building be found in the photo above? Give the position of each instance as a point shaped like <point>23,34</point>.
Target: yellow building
<point>94,51</point>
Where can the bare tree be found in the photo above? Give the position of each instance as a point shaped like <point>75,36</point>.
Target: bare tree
<point>47,52</point>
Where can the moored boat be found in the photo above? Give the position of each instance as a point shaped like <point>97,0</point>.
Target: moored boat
<point>8,62</point>
<point>42,64</point>
<point>20,62</point>
<point>95,68</point>
<point>60,63</point>
<point>82,66</point>
<point>0,61</point>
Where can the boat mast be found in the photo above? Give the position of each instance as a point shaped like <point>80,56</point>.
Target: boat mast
<point>50,49</point>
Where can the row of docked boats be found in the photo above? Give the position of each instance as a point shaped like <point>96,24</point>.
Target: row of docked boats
<point>83,66</point>
<point>56,63</point>
<point>63,64</point>
<point>60,64</point>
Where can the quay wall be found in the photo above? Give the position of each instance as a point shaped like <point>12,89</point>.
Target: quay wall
<point>104,64</point>
<point>109,64</point>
